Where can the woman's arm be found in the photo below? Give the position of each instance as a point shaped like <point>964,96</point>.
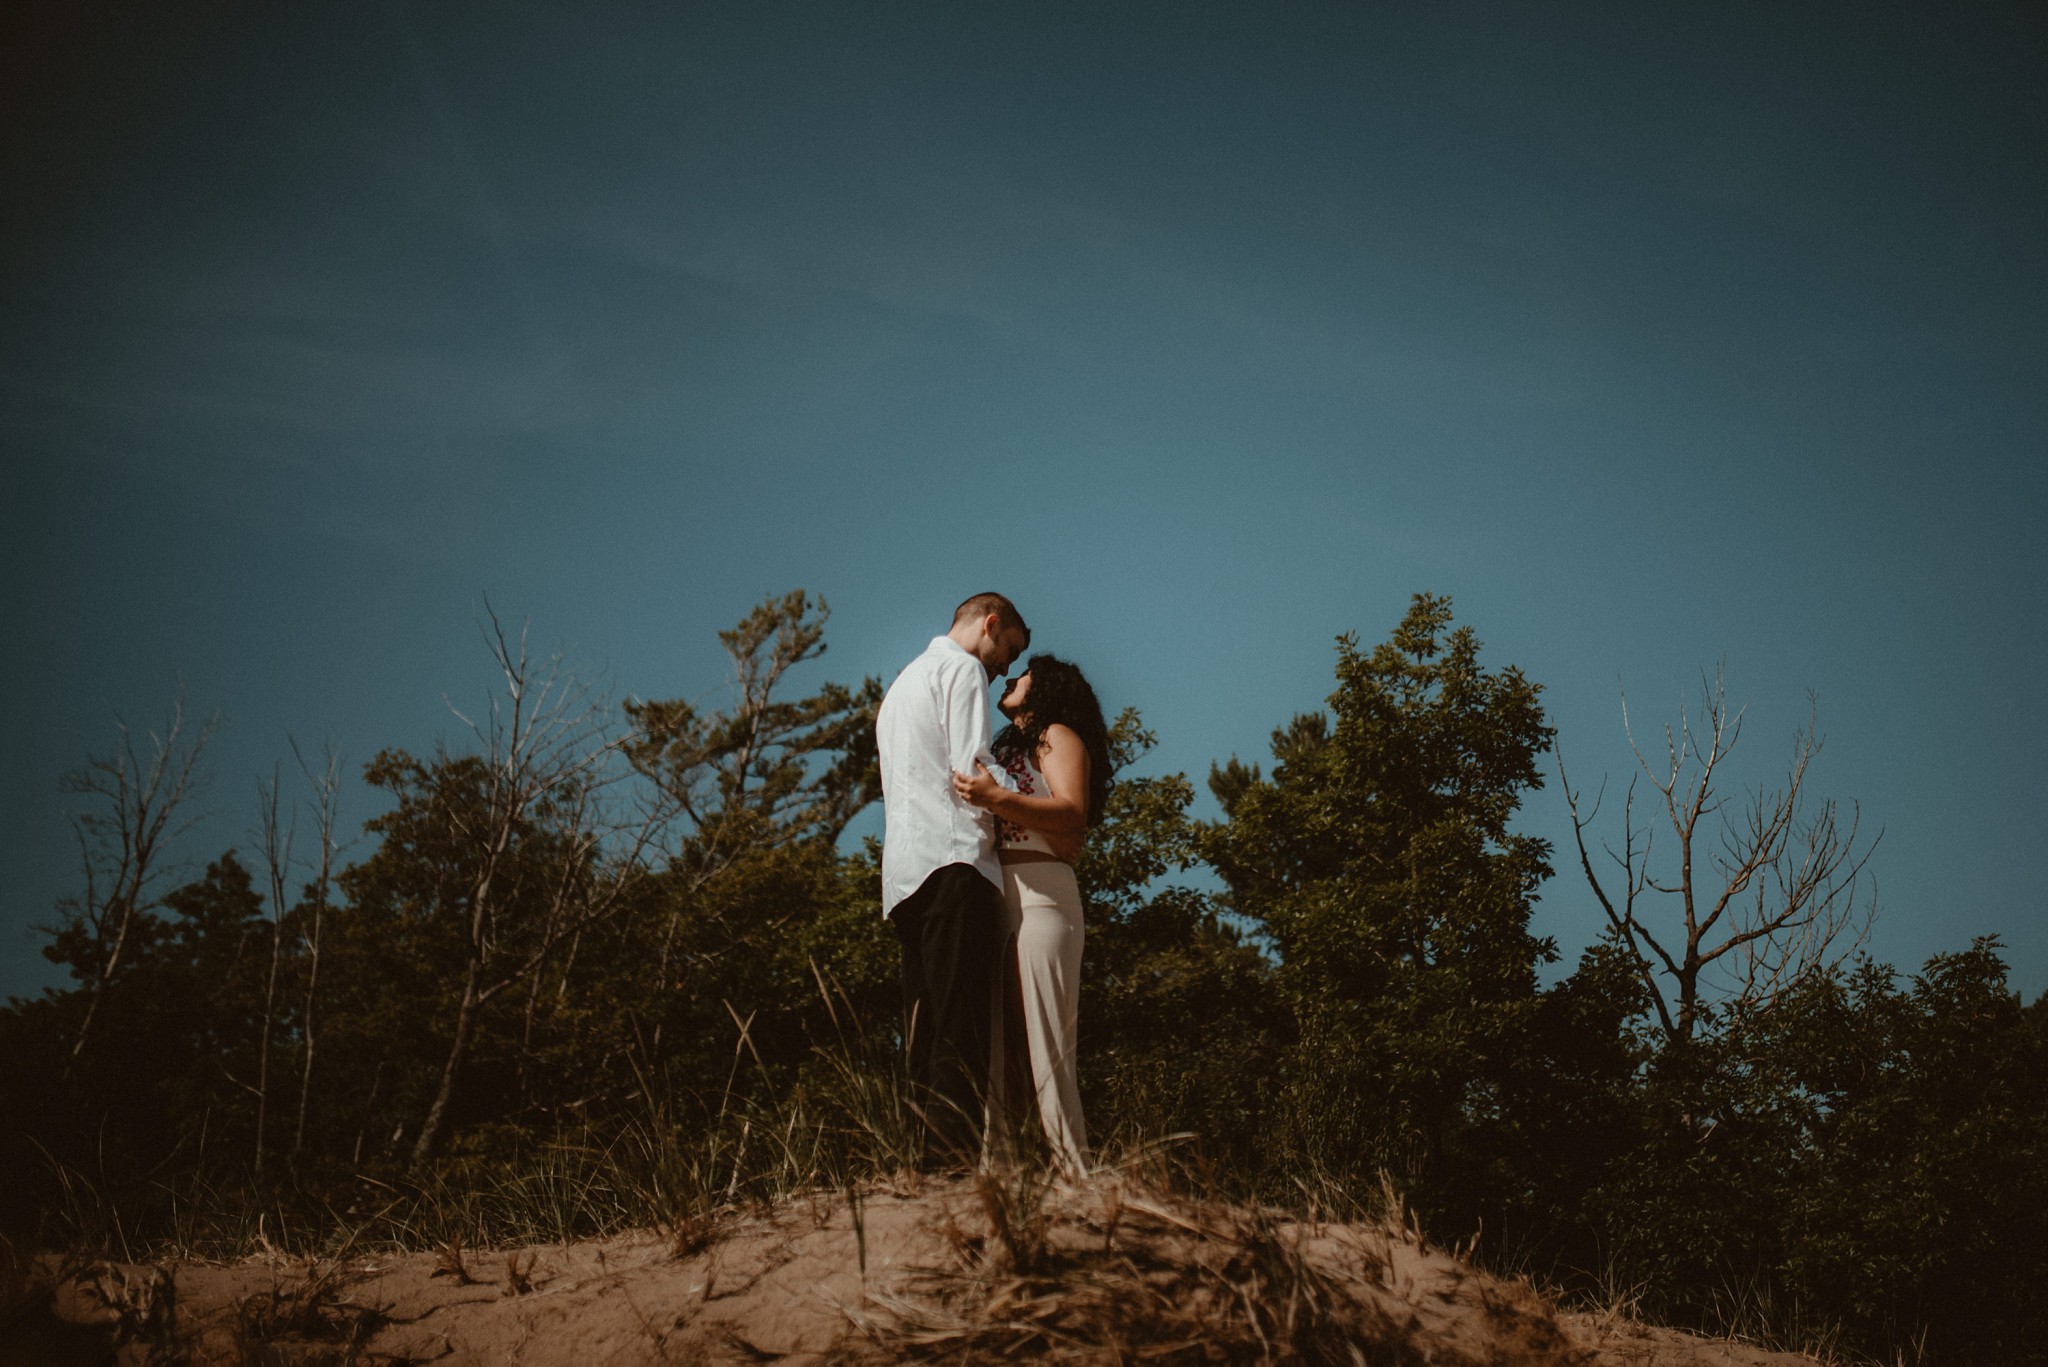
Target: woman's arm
<point>1063,813</point>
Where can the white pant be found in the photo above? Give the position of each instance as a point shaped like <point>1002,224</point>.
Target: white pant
<point>1043,906</point>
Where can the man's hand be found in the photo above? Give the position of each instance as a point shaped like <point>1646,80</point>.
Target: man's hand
<point>979,790</point>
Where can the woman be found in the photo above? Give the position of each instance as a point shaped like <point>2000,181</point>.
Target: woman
<point>1056,749</point>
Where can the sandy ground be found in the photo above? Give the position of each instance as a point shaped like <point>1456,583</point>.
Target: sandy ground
<point>804,1283</point>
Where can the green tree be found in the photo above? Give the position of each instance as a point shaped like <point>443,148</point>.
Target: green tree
<point>1165,968</point>
<point>754,904</point>
<point>174,1059</point>
<point>766,770</point>
<point>752,773</point>
<point>1378,858</point>
<point>1917,1201</point>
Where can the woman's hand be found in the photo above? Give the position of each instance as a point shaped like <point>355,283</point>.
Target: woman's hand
<point>980,790</point>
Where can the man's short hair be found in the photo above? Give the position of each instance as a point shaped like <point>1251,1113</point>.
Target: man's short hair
<point>982,604</point>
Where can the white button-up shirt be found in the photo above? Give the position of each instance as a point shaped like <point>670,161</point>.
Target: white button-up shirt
<point>933,722</point>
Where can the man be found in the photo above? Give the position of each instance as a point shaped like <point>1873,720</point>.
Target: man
<point>941,884</point>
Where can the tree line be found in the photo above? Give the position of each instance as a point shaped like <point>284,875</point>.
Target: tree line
<point>576,919</point>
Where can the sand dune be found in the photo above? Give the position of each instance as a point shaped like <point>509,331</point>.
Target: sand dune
<point>958,1270</point>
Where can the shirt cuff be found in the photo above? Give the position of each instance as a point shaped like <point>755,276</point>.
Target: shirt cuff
<point>1004,779</point>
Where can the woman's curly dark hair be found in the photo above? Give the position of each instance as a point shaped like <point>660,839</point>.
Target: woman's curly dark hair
<point>1060,693</point>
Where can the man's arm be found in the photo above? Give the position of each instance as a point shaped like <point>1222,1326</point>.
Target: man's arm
<point>964,712</point>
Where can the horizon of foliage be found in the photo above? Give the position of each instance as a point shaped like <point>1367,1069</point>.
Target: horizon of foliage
<point>585,933</point>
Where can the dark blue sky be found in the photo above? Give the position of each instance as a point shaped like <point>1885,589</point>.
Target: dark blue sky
<point>1651,334</point>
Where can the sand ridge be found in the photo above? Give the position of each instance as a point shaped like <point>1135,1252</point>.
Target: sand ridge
<point>914,1270</point>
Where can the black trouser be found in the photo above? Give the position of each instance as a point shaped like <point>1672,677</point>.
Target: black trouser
<point>951,932</point>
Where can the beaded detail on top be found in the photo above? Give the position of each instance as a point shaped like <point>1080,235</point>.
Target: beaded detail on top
<point>1029,781</point>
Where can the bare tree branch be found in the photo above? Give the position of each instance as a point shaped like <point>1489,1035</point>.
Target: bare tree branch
<point>277,837</point>
<point>549,850</point>
<point>326,786</point>
<point>139,793</point>
<point>1771,899</point>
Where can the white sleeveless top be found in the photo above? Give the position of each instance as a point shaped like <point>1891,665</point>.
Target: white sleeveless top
<point>1009,835</point>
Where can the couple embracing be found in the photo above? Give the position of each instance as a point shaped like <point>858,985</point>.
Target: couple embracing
<point>978,878</point>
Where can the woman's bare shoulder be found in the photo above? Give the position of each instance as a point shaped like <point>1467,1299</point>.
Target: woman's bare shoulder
<point>1061,743</point>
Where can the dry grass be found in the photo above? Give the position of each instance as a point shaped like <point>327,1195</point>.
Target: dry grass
<point>1119,1271</point>
<point>304,1320</point>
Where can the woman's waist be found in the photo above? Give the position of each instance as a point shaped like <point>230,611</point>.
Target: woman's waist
<point>1020,854</point>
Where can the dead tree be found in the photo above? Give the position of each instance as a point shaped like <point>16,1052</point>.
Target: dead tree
<point>326,787</point>
<point>277,834</point>
<point>548,767</point>
<point>138,792</point>
<point>1754,898</point>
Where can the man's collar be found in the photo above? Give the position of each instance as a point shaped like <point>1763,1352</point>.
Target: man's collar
<point>947,642</point>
